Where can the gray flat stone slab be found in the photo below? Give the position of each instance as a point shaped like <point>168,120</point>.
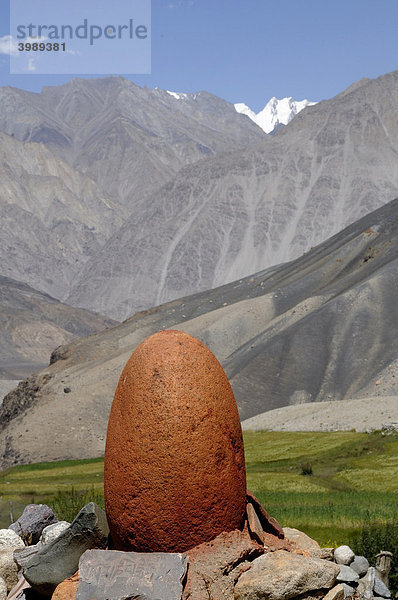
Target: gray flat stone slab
<point>58,560</point>
<point>380,589</point>
<point>347,575</point>
<point>361,565</point>
<point>115,575</point>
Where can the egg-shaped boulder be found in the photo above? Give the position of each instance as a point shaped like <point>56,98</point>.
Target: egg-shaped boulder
<point>174,461</point>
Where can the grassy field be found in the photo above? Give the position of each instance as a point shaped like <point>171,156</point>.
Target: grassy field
<point>354,481</point>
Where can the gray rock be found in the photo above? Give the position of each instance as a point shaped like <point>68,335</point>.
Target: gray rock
<point>348,590</point>
<point>114,575</point>
<point>380,589</point>
<point>33,520</point>
<point>8,568</point>
<point>366,584</point>
<point>60,559</point>
<point>23,555</point>
<point>282,575</point>
<point>10,539</point>
<point>360,564</point>
<point>343,555</point>
<point>51,532</point>
<point>3,589</point>
<point>347,575</point>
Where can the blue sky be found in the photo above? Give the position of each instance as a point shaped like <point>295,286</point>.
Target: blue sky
<point>250,50</point>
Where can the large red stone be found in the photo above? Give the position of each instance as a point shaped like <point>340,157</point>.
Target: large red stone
<point>174,462</point>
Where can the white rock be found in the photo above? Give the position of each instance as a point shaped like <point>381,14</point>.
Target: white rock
<point>8,568</point>
<point>3,589</point>
<point>10,539</point>
<point>343,555</point>
<point>51,532</point>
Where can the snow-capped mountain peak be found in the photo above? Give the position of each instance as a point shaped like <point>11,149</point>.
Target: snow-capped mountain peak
<point>275,112</point>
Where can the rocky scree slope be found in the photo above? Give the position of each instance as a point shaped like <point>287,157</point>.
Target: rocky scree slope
<point>128,139</point>
<point>322,327</point>
<point>77,159</point>
<point>52,217</point>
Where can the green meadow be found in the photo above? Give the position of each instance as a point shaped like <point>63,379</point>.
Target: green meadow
<point>329,485</point>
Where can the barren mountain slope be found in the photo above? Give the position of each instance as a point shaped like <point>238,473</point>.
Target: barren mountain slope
<point>322,327</point>
<point>233,214</point>
<point>52,217</point>
<point>32,324</point>
<point>130,140</point>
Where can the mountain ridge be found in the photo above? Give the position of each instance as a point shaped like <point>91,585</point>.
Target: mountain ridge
<point>239,212</point>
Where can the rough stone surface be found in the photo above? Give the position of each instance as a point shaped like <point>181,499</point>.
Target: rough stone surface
<point>343,555</point>
<point>327,553</point>
<point>3,589</point>
<point>268,523</point>
<point>383,566</point>
<point>366,584</point>
<point>58,560</point>
<point>360,564</point>
<point>33,520</point>
<point>115,575</point>
<point>174,473</point>
<point>380,589</point>
<point>23,555</point>
<point>303,541</point>
<point>336,593</point>
<point>348,590</point>
<point>215,566</point>
<point>10,539</point>
<point>255,529</point>
<point>51,532</point>
<point>8,568</point>
<point>282,575</point>
<point>67,589</point>
<point>347,575</point>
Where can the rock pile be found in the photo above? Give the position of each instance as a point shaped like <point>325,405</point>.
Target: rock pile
<point>358,578</point>
<point>259,560</point>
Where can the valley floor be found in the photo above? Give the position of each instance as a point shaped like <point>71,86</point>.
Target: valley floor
<point>361,415</point>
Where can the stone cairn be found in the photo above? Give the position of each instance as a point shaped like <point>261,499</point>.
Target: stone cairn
<point>179,522</point>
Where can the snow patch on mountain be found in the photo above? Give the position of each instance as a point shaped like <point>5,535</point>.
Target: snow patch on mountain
<point>178,96</point>
<point>275,112</point>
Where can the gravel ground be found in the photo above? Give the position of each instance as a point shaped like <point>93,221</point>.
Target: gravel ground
<point>363,414</point>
